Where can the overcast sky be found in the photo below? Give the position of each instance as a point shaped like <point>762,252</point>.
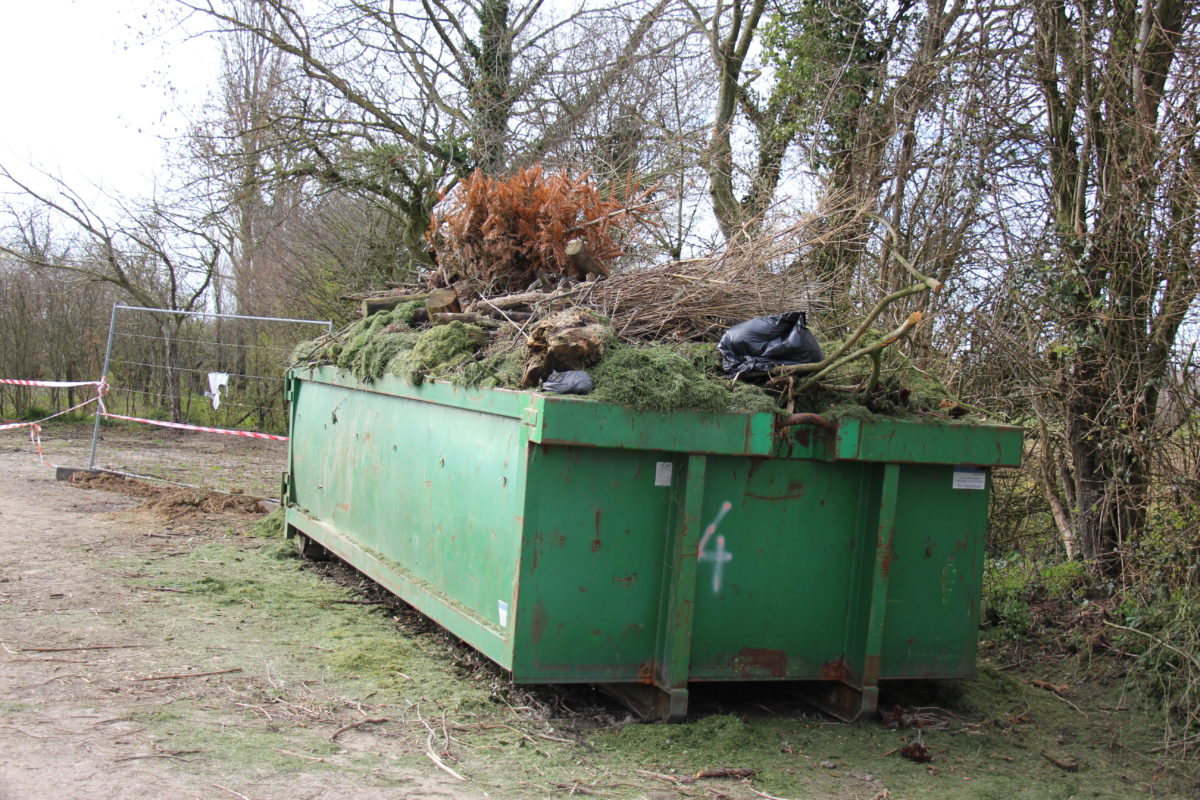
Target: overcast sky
<point>90,88</point>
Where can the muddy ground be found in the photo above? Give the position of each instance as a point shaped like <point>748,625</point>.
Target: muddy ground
<point>154,643</point>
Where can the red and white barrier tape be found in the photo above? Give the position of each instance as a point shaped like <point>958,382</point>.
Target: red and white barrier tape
<point>102,389</point>
<point>184,427</point>
<point>35,436</point>
<point>35,423</point>
<point>49,384</point>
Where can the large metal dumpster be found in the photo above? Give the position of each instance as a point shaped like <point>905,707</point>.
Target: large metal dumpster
<point>570,540</point>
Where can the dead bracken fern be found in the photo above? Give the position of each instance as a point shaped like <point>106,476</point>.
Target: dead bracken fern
<point>499,233</point>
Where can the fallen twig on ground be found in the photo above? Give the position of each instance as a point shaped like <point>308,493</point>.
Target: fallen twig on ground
<point>431,754</point>
<point>764,794</point>
<point>231,791</point>
<point>359,724</point>
<point>299,755</point>
<point>69,649</point>
<point>176,755</point>
<point>575,788</point>
<point>27,733</point>
<point>726,772</point>
<point>658,776</point>
<point>189,675</point>
<point>1067,764</point>
<point>1056,688</point>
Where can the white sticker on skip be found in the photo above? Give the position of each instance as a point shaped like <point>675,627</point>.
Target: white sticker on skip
<point>969,478</point>
<point>662,473</point>
<point>502,612</point>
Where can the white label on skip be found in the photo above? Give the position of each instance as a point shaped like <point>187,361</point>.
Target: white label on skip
<point>502,612</point>
<point>969,478</point>
<point>662,473</point>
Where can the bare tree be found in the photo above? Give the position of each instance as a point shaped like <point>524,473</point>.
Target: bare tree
<point>398,100</point>
<point>158,255</point>
<point>242,158</point>
<point>1119,96</point>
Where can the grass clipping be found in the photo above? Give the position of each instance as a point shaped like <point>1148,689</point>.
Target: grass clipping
<point>663,377</point>
<point>675,377</point>
<point>666,378</point>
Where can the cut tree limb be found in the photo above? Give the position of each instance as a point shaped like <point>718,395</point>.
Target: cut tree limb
<point>514,300</point>
<point>384,301</point>
<point>472,319</point>
<point>899,333</point>
<point>511,316</point>
<point>568,340</point>
<point>583,260</point>
<point>836,358</point>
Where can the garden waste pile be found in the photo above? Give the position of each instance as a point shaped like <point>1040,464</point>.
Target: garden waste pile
<point>523,297</point>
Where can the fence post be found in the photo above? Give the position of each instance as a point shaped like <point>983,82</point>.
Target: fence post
<point>112,324</point>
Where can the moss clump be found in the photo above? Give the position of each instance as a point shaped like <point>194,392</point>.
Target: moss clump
<point>437,352</point>
<point>674,378</point>
<point>406,313</point>
<point>385,343</point>
<point>703,355</point>
<point>372,343</point>
<point>309,352</point>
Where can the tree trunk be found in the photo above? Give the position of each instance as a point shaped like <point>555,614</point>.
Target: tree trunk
<point>491,90</point>
<point>1121,190</point>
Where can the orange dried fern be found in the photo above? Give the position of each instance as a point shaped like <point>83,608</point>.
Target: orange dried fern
<point>499,232</point>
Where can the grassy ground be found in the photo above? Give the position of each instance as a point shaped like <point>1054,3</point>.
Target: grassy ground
<point>1086,730</point>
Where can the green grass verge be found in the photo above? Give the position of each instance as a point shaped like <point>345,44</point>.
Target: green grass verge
<point>276,617</point>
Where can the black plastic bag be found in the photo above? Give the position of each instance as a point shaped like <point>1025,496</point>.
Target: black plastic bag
<point>575,381</point>
<point>758,344</point>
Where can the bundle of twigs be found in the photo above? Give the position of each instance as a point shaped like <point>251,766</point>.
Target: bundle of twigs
<point>699,298</point>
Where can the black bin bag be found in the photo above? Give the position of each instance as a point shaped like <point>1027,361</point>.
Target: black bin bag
<point>574,382</point>
<point>758,344</point>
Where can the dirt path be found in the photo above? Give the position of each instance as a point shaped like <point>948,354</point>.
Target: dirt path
<point>85,652</point>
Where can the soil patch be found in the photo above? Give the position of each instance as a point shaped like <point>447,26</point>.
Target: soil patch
<point>171,501</point>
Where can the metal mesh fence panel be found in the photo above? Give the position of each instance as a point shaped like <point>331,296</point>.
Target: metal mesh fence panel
<point>199,370</point>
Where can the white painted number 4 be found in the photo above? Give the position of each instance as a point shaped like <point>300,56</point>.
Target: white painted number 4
<point>719,557</point>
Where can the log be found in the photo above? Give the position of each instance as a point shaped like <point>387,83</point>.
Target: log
<point>471,319</point>
<point>514,316</point>
<point>385,293</point>
<point>583,260</point>
<point>512,300</point>
<point>386,301</point>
